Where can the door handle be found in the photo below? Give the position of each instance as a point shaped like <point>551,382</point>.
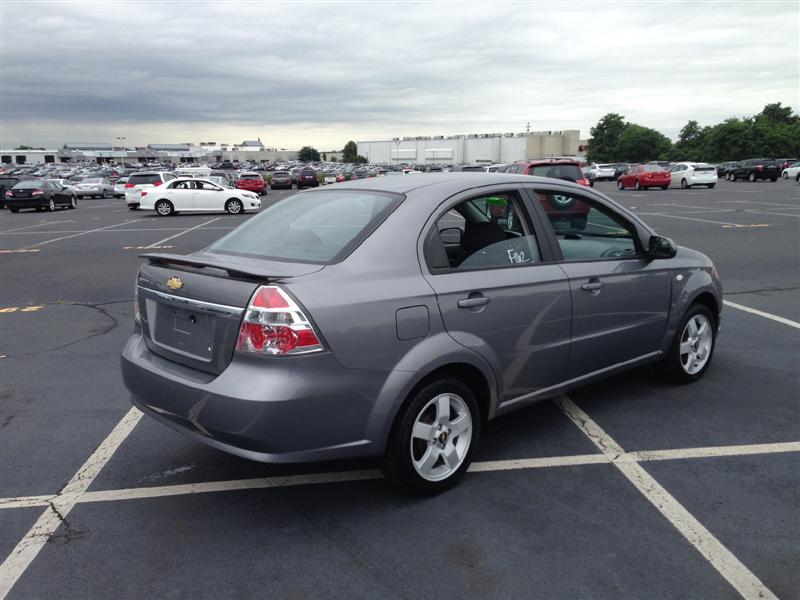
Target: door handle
<point>592,286</point>
<point>473,302</point>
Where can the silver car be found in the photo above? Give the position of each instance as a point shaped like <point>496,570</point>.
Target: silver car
<point>394,317</point>
<point>97,187</point>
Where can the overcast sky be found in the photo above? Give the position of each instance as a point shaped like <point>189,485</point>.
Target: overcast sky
<point>321,73</point>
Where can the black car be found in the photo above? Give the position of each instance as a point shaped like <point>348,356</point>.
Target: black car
<point>753,169</point>
<point>307,178</point>
<point>469,168</point>
<point>620,169</point>
<point>723,168</point>
<point>39,194</point>
<point>785,163</point>
<point>6,183</point>
<point>281,179</point>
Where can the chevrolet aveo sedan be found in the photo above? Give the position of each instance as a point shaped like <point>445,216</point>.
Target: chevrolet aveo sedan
<point>394,317</point>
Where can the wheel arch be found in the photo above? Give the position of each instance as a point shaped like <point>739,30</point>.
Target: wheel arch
<point>708,300</point>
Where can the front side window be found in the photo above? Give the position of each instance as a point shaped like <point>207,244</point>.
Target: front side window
<point>483,233</point>
<point>585,231</point>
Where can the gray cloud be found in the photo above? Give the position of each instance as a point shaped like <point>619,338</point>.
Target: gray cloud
<point>322,73</point>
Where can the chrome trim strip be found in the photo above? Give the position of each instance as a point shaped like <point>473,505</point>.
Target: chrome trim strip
<point>201,304</point>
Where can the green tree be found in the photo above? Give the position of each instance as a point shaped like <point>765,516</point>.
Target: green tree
<point>308,154</point>
<point>777,114</point>
<point>640,144</point>
<point>729,140</point>
<point>603,138</point>
<point>325,156</point>
<point>360,160</point>
<point>690,144</point>
<point>350,152</point>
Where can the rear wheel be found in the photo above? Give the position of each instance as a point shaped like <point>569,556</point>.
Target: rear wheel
<point>684,185</point>
<point>785,175</point>
<point>711,186</point>
<point>731,176</point>
<point>433,439</point>
<point>164,208</point>
<point>51,206</point>
<point>73,203</point>
<point>620,185</point>
<point>133,206</point>
<point>234,206</point>
<point>690,353</point>
<point>638,185</point>
<point>751,177</point>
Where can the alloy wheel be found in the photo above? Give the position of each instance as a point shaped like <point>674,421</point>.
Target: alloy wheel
<point>696,341</point>
<point>440,437</point>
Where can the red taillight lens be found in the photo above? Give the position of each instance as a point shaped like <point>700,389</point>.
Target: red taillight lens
<point>583,181</point>
<point>274,325</point>
<point>129,185</point>
<point>157,183</point>
<point>143,194</point>
<point>9,194</point>
<point>760,168</point>
<point>37,192</point>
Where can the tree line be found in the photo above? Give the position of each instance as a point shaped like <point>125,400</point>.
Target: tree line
<point>349,154</point>
<point>774,132</point>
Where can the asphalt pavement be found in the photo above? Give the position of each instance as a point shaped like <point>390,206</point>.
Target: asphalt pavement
<point>630,488</point>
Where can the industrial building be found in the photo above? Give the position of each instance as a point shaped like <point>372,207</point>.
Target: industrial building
<point>474,148</point>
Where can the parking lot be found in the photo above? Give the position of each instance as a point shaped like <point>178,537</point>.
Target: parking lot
<point>631,488</point>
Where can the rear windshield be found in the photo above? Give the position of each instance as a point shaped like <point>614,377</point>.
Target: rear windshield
<point>653,168</point>
<point>29,185</point>
<point>321,228</point>
<point>308,172</point>
<point>142,179</point>
<point>567,172</point>
<point>702,168</point>
<point>253,176</point>
<point>280,174</point>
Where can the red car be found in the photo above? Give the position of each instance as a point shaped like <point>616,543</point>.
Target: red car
<point>252,182</point>
<point>646,176</point>
<point>555,168</point>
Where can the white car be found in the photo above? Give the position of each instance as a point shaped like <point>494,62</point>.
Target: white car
<point>602,172</point>
<point>792,172</point>
<point>688,174</point>
<point>144,180</point>
<point>119,187</point>
<point>196,195</point>
<point>66,183</point>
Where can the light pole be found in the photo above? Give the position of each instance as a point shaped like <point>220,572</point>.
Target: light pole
<point>122,156</point>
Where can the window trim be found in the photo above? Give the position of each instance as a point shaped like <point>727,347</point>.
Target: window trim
<point>430,229</point>
<point>552,238</point>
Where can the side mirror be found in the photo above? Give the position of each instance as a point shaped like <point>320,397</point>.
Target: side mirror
<point>661,247</point>
<point>451,235</point>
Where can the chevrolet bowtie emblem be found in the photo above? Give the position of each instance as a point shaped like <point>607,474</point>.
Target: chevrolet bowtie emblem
<point>174,283</point>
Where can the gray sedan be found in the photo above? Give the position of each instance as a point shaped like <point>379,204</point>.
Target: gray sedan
<point>97,187</point>
<point>394,317</point>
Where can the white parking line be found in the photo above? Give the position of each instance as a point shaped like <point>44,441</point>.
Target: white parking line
<point>172,237</point>
<point>74,235</point>
<point>692,219</point>
<point>761,313</point>
<point>712,451</point>
<point>734,571</point>
<point>61,504</point>
<point>37,225</point>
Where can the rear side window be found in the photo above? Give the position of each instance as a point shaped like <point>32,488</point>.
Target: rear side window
<point>319,228</point>
<point>144,179</point>
<point>566,172</point>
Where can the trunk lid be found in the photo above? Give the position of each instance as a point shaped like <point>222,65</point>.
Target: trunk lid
<point>191,307</point>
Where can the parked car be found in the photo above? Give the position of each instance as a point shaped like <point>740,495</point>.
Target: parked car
<point>307,177</point>
<point>589,176</point>
<point>688,174</point>
<point>40,194</point>
<point>281,180</point>
<point>567,170</point>
<point>119,187</point>
<point>142,181</point>
<point>785,163</point>
<point>601,172</point>
<point>642,177</point>
<point>754,169</point>
<point>792,171</point>
<point>298,345</point>
<point>197,195</point>
<point>330,177</point>
<point>467,169</point>
<point>96,187</point>
<point>724,167</point>
<point>252,182</point>
<point>6,183</point>
<point>620,169</point>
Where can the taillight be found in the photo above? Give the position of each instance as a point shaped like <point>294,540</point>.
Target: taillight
<point>37,192</point>
<point>143,194</point>
<point>157,183</point>
<point>760,168</point>
<point>9,193</point>
<point>583,181</point>
<point>274,325</point>
<point>130,185</point>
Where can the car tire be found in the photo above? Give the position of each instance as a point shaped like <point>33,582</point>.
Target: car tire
<point>164,208</point>
<point>690,353</point>
<point>52,206</point>
<point>73,203</point>
<point>773,179</point>
<point>711,186</point>
<point>785,175</point>
<point>638,185</point>
<point>684,185</point>
<point>14,210</point>
<point>751,177</point>
<point>133,206</point>
<point>234,207</point>
<point>731,176</point>
<point>423,455</point>
<point>620,185</point>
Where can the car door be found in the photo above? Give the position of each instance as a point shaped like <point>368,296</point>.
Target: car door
<point>620,299</point>
<point>678,173</point>
<point>629,177</point>
<point>498,290</point>
<point>208,196</point>
<point>181,194</point>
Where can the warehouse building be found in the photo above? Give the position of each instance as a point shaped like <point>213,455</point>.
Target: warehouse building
<point>483,148</point>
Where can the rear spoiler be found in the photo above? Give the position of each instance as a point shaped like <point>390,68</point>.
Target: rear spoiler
<point>232,269</point>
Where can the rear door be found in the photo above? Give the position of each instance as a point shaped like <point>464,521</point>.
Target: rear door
<point>620,299</point>
<point>498,290</point>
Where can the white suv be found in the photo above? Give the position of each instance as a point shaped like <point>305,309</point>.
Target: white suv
<point>602,172</point>
<point>687,174</point>
<point>143,180</point>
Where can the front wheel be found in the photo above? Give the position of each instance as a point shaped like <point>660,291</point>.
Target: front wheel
<point>751,177</point>
<point>164,208</point>
<point>638,185</point>
<point>51,206</point>
<point>620,185</point>
<point>433,439</point>
<point>690,353</point>
<point>73,203</point>
<point>731,176</point>
<point>684,185</point>
<point>234,206</point>
<point>785,175</point>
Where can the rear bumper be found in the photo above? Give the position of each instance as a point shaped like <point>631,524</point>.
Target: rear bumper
<point>288,410</point>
